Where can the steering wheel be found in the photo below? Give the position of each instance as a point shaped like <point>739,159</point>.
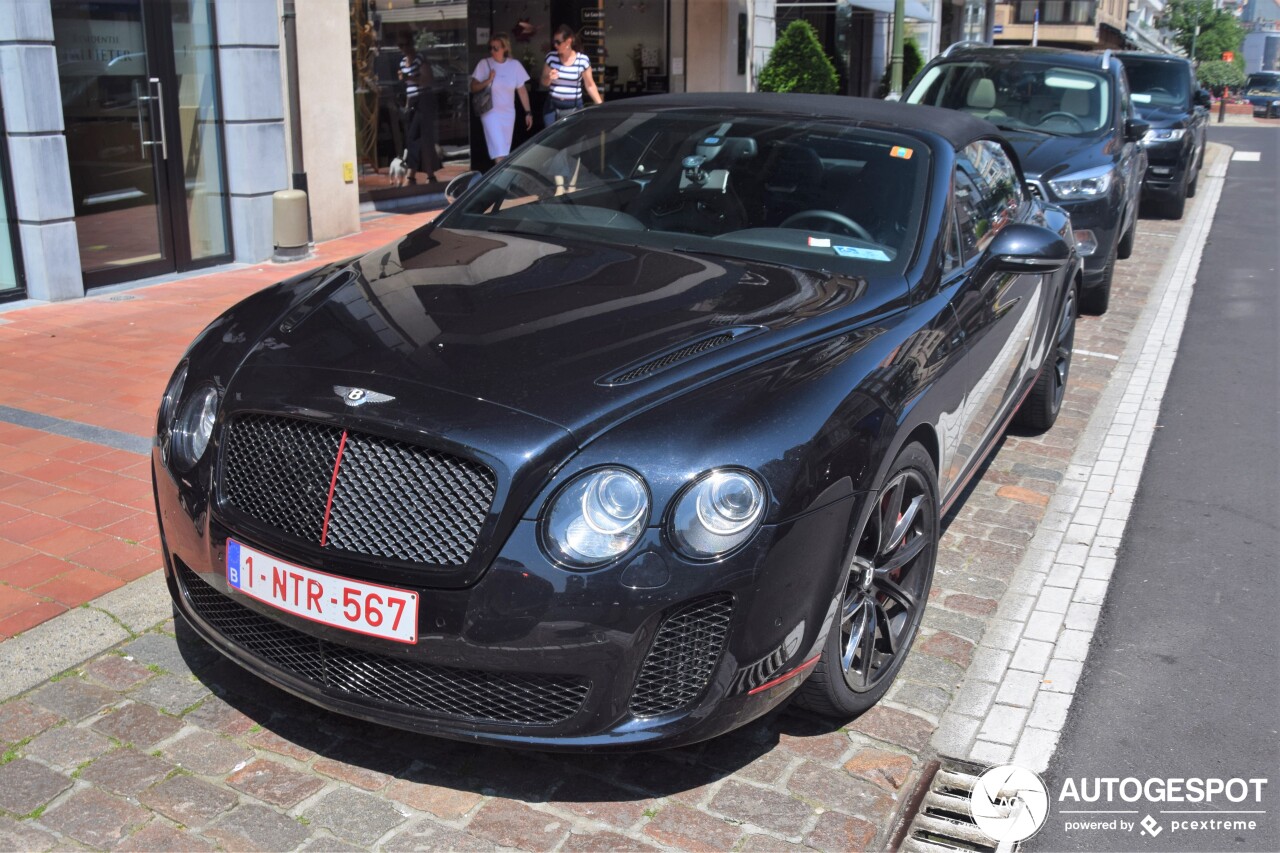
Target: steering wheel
<point>840,219</point>
<point>540,180</point>
<point>1060,114</point>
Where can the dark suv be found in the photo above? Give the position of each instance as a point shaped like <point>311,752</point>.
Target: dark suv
<point>1165,95</point>
<point>1263,91</point>
<point>1070,119</point>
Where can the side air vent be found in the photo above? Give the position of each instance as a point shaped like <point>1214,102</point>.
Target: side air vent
<point>661,361</point>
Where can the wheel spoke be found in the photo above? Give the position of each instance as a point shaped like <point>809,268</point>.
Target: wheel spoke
<point>905,554</point>
<point>904,524</point>
<point>890,509</point>
<point>890,639</point>
<point>892,589</point>
<point>851,605</point>
<point>855,634</point>
<point>869,645</point>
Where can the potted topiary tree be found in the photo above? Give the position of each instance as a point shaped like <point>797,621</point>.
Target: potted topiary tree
<point>797,63</point>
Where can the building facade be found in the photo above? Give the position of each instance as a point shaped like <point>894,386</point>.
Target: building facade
<point>1079,24</point>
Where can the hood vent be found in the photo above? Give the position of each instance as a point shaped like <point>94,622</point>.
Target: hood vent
<point>669,358</point>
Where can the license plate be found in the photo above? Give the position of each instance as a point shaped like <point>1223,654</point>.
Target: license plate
<point>357,606</point>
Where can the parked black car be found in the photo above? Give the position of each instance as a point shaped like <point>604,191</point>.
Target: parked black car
<point>651,428</point>
<point>1166,97</point>
<point>1070,118</point>
<point>1262,90</point>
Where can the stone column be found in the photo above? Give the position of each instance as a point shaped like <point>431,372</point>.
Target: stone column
<point>38,151</point>
<point>251,80</point>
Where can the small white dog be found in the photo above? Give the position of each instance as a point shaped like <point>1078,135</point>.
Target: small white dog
<point>399,170</point>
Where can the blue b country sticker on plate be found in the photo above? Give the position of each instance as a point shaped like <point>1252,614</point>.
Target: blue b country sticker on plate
<point>233,563</point>
<point>863,254</point>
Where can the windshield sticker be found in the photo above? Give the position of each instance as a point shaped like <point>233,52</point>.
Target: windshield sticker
<point>863,254</point>
<point>820,242</point>
<point>1141,98</point>
<point>903,153</point>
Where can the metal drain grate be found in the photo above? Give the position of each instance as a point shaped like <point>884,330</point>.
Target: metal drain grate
<point>942,821</point>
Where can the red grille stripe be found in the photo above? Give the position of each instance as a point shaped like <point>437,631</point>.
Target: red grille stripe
<point>792,674</point>
<point>333,484</point>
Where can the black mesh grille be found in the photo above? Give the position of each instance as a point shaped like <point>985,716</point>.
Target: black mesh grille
<point>468,694</point>
<point>671,358</point>
<point>685,652</point>
<point>391,499</point>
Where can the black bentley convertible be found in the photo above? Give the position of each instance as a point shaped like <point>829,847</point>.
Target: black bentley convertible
<point>651,429</point>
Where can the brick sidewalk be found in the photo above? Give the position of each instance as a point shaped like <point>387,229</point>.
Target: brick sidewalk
<point>161,744</point>
<point>76,512</point>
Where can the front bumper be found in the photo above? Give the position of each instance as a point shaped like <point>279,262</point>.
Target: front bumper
<point>533,655</point>
<point>1266,108</point>
<point>1168,165</point>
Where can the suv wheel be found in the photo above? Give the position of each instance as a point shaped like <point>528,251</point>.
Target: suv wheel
<point>1095,299</point>
<point>1125,247</point>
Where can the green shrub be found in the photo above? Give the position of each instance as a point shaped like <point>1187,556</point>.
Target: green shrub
<point>912,62</point>
<point>797,63</point>
<point>1216,74</point>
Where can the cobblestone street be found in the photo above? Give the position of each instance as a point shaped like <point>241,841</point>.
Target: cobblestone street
<point>161,744</point>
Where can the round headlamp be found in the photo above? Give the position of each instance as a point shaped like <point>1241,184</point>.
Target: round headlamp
<point>193,426</point>
<point>597,517</point>
<point>717,513</point>
<point>169,402</point>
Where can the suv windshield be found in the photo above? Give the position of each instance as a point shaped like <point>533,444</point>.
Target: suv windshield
<point>807,193</point>
<point>1020,95</point>
<point>1158,83</point>
<point>1263,84</point>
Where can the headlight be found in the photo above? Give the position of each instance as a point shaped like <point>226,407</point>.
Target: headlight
<point>1091,183</point>
<point>597,517</point>
<point>169,402</point>
<point>194,426</point>
<point>717,514</point>
<point>1167,134</point>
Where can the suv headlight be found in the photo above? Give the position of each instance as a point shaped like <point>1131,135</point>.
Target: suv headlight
<point>193,427</point>
<point>1164,134</point>
<point>717,513</point>
<point>1091,183</point>
<point>597,517</point>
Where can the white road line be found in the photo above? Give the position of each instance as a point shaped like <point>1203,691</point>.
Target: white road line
<point>1246,156</point>
<point>1050,611</point>
<point>1097,354</point>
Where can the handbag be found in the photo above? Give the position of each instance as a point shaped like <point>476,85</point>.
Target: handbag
<point>482,101</point>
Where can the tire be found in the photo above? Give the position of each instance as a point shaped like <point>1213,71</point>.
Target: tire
<point>1039,411</point>
<point>883,594</point>
<point>1194,184</point>
<point>1094,300</point>
<point>1125,247</point>
<point>1173,208</point>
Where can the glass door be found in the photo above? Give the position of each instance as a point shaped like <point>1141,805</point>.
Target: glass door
<point>140,107</point>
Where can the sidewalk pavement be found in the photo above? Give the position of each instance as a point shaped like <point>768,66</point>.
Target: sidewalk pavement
<point>118,731</point>
<point>83,379</point>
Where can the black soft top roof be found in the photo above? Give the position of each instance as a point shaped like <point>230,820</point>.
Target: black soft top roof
<point>956,127</point>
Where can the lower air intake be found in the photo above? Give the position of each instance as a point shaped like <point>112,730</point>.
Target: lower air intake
<point>685,652</point>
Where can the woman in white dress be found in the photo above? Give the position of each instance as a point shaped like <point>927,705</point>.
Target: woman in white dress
<point>507,77</point>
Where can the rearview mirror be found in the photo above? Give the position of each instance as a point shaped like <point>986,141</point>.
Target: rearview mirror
<point>1135,129</point>
<point>460,185</point>
<point>1022,248</point>
<point>1203,98</point>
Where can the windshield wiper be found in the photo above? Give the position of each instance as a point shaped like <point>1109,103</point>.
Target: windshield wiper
<point>1004,125</point>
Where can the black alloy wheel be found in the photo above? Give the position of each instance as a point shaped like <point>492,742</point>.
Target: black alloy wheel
<point>1044,401</point>
<point>886,586</point>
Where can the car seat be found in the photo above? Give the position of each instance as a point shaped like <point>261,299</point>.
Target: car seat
<point>792,181</point>
<point>981,99</point>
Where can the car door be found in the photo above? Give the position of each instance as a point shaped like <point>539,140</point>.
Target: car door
<point>998,312</point>
<point>1133,155</point>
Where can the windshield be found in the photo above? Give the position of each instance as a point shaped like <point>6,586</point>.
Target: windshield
<point>1020,95</point>
<point>1158,83</point>
<point>807,193</point>
<point>1263,84</point>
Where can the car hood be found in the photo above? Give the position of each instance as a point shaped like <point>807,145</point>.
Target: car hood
<point>576,333</point>
<point>1045,157</point>
<point>1162,117</point>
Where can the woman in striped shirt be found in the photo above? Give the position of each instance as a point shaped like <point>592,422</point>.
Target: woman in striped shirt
<point>419,111</point>
<point>567,74</point>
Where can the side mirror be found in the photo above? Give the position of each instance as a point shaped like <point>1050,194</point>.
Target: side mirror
<point>1203,98</point>
<point>460,185</point>
<point>1022,248</point>
<point>1135,129</point>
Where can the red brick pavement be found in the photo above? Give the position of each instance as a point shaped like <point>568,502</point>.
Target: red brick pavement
<point>76,518</point>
